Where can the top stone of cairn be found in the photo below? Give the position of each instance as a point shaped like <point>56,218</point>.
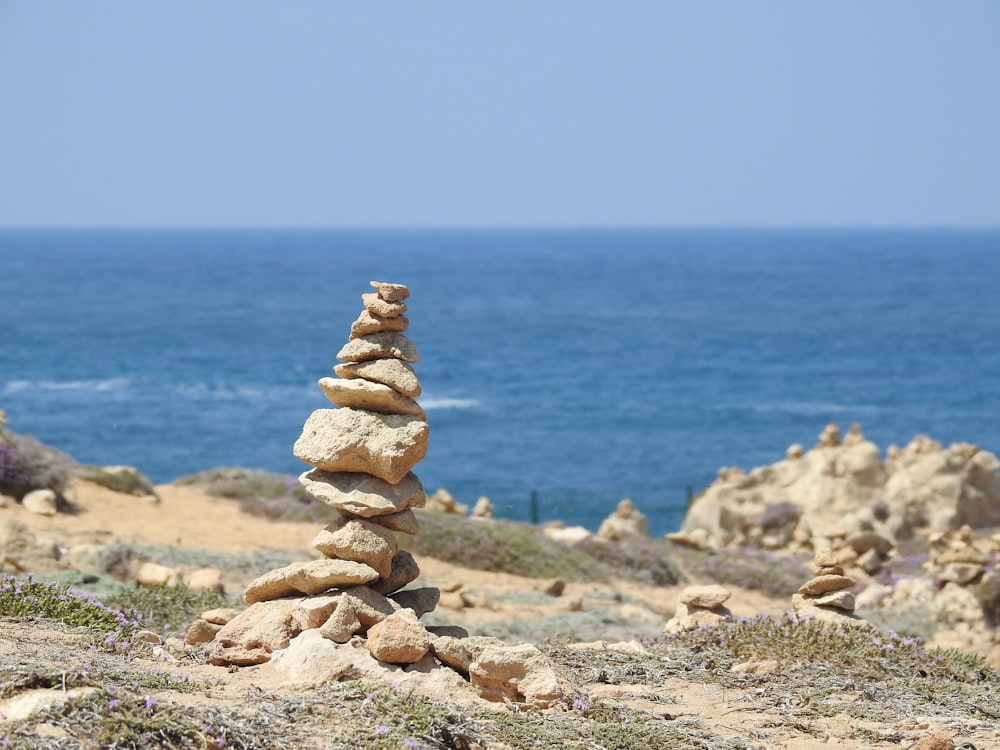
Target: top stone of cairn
<point>391,292</point>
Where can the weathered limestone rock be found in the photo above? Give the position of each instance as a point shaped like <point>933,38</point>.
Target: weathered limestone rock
<point>459,653</point>
<point>520,674</point>
<point>205,579</point>
<point>272,585</point>
<point>152,574</point>
<point>368,323</point>
<point>394,373</point>
<point>363,394</point>
<point>362,494</point>
<point>319,575</point>
<point>21,551</point>
<point>443,502</point>
<point>219,616</point>
<point>41,502</point>
<point>824,583</point>
<point>625,522</point>
<point>376,305</point>
<point>358,540</point>
<point>826,596</point>
<point>404,571</point>
<point>252,636</point>
<point>706,597</point>
<point>404,522</point>
<point>201,631</point>
<point>399,639</point>
<point>391,292</point>
<point>386,446</point>
<point>483,508</point>
<point>379,346</point>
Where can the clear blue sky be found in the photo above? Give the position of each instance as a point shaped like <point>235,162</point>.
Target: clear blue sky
<point>542,112</point>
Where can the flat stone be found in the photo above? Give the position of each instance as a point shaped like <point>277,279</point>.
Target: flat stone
<point>390,292</point>
<point>310,660</point>
<point>363,394</point>
<point>519,674</point>
<point>421,600</point>
<point>404,522</point>
<point>459,653</point>
<point>313,611</point>
<point>960,573</point>
<point>369,323</point>
<point>359,540</point>
<point>362,494</point>
<point>967,554</point>
<point>825,559</point>
<point>220,615</point>
<point>151,574</point>
<point>404,570</point>
<point>379,346</point>
<point>272,585</point>
<point>706,597</point>
<point>374,304</point>
<point>30,702</point>
<point>319,575</point>
<point>830,570</point>
<point>822,584</point>
<point>399,638</point>
<point>868,540</point>
<point>201,632</point>
<point>357,608</point>
<point>842,599</point>
<point>386,446</point>
<point>395,373</point>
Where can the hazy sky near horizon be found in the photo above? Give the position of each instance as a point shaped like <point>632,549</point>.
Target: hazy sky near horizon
<point>644,112</point>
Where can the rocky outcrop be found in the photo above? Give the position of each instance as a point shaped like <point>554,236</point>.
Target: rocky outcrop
<point>818,499</point>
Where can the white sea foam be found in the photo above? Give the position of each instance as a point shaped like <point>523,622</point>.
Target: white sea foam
<point>443,402</point>
<point>102,386</point>
<point>814,408</point>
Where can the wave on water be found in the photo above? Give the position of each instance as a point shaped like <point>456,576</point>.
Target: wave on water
<point>99,386</point>
<point>444,402</point>
<point>802,408</point>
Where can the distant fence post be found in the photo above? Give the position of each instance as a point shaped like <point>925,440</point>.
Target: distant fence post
<point>534,507</point>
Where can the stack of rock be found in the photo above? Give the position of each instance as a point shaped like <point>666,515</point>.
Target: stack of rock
<point>955,558</point>
<point>827,595</point>
<point>362,455</point>
<point>625,522</point>
<point>699,606</point>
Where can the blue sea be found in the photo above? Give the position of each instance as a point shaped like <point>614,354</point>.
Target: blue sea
<point>576,366</point>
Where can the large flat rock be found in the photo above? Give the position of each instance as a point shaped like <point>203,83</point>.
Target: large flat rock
<point>363,394</point>
<point>395,373</point>
<point>383,345</point>
<point>386,446</point>
<point>363,494</point>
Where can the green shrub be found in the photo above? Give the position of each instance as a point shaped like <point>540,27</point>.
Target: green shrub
<point>125,479</point>
<point>640,559</point>
<point>168,608</point>
<point>26,597</point>
<point>27,465</point>
<point>278,497</point>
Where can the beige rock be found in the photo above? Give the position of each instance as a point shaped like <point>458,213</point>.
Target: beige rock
<point>359,540</point>
<point>368,323</point>
<point>41,502</point>
<point>399,639</point>
<point>707,597</point>
<point>459,653</point>
<point>201,632</point>
<point>374,303</point>
<point>520,674</point>
<point>364,394</point>
<point>695,538</point>
<point>319,575</point>
<point>404,522</point>
<point>219,616</point>
<point>624,523</point>
<point>272,585</point>
<point>766,666</point>
<point>936,741</point>
<point>869,540</point>
<point>205,579</point>
<point>961,573</point>
<point>394,373</point>
<point>386,446</point>
<point>404,570</point>
<point>310,660</point>
<point>826,559</point>
<point>385,345</point>
<point>567,534</point>
<point>315,610</point>
<point>691,618</point>
<point>421,600</point>
<point>6,501</point>
<point>443,502</point>
<point>805,607</point>
<point>831,570</point>
<point>362,494</point>
<point>840,599</point>
<point>822,584</point>
<point>967,554</point>
<point>483,508</point>
<point>341,625</point>
<point>829,437</point>
<point>391,292</point>
<point>21,551</point>
<point>154,574</point>
<point>794,451</point>
<point>253,635</point>
<point>30,702</point>
<point>357,608</point>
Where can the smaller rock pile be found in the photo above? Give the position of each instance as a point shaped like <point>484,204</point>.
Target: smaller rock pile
<point>699,606</point>
<point>443,502</point>
<point>955,558</point>
<point>625,522</point>
<point>827,595</point>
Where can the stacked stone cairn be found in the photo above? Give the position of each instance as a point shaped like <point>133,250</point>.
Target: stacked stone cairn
<point>956,558</point>
<point>827,595</point>
<point>362,454</point>
<point>699,606</point>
